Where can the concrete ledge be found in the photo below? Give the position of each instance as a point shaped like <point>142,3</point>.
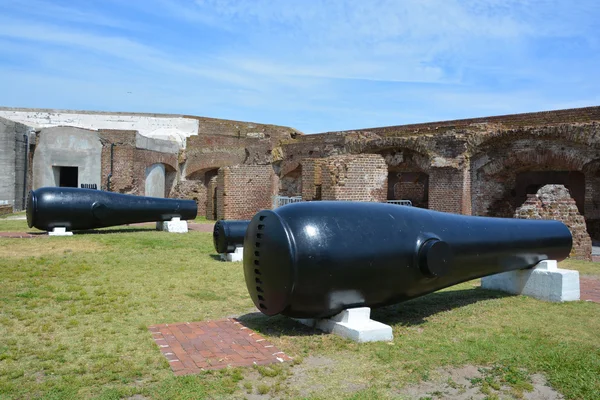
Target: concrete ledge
<point>176,225</point>
<point>59,232</point>
<point>236,256</point>
<point>354,324</point>
<point>545,282</point>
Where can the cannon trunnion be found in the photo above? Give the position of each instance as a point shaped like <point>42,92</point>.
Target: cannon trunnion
<point>77,209</point>
<point>315,259</point>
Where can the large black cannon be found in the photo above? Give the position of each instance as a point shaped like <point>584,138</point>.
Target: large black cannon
<point>229,234</point>
<point>76,209</point>
<point>315,259</point>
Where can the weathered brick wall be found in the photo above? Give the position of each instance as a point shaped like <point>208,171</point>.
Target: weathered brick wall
<point>6,209</point>
<point>243,190</point>
<point>360,177</point>
<point>291,183</point>
<point>212,196</point>
<point>130,163</point>
<point>498,164</point>
<point>311,179</point>
<point>449,190</point>
<point>193,190</point>
<point>555,202</point>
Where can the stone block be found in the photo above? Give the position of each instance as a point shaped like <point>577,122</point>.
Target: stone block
<point>236,256</point>
<point>60,231</point>
<point>354,324</point>
<point>176,225</point>
<point>544,282</point>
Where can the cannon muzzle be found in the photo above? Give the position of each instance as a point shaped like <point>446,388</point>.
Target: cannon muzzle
<point>227,235</point>
<point>76,209</point>
<point>315,259</point>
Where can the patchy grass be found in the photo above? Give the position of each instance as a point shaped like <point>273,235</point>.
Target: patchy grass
<point>585,268</point>
<point>74,313</point>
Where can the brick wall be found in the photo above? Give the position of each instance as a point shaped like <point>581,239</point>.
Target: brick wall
<point>130,163</point>
<point>449,190</point>
<point>311,179</point>
<point>243,190</point>
<point>554,202</point>
<point>361,177</point>
<point>6,209</point>
<point>212,196</point>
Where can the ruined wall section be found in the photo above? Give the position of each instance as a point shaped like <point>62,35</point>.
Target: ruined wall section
<point>361,177</point>
<point>14,138</point>
<point>555,202</point>
<point>311,179</point>
<point>243,190</point>
<point>130,161</point>
<point>560,152</point>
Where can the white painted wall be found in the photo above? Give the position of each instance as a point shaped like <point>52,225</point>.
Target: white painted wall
<point>155,181</point>
<point>174,128</point>
<point>67,147</point>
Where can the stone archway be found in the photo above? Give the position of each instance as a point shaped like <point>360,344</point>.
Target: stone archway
<point>408,177</point>
<point>291,183</point>
<point>504,172</point>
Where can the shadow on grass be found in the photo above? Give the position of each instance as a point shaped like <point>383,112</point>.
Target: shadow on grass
<point>408,313</point>
<point>416,311</point>
<point>276,326</point>
<point>216,257</point>
<point>116,230</point>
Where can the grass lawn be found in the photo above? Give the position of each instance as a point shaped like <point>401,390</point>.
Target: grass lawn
<point>74,313</point>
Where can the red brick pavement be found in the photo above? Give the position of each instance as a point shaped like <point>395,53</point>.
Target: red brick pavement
<point>197,346</point>
<point>589,289</point>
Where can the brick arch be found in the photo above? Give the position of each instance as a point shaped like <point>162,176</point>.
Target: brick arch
<point>408,175</point>
<point>290,184</point>
<point>583,134</point>
<point>502,176</point>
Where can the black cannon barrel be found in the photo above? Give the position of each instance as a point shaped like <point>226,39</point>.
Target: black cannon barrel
<point>314,259</point>
<point>76,209</point>
<point>229,234</point>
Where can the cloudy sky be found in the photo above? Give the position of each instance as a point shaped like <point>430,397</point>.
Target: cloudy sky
<point>316,65</point>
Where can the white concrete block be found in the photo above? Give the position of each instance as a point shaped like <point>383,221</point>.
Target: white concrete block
<point>176,225</point>
<point>60,232</point>
<point>237,255</point>
<point>354,324</point>
<point>545,282</point>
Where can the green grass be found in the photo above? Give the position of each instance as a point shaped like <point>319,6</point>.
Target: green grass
<point>585,268</point>
<point>74,313</point>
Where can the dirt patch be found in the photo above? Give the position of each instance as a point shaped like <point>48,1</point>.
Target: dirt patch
<point>476,383</point>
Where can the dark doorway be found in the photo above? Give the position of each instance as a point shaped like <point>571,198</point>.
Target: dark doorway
<point>530,182</point>
<point>413,186</point>
<point>68,176</point>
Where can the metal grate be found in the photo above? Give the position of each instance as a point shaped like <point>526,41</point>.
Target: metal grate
<point>400,202</point>
<point>279,201</point>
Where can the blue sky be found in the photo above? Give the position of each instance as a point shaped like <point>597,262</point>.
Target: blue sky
<point>315,65</point>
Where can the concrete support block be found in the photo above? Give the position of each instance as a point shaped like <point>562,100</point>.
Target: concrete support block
<point>176,225</point>
<point>354,324</point>
<point>60,232</point>
<point>545,282</point>
<point>236,256</point>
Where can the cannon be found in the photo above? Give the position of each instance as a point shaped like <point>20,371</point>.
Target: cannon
<point>228,235</point>
<point>80,209</point>
<point>315,259</point>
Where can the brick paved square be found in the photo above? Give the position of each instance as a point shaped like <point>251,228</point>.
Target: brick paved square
<point>191,347</point>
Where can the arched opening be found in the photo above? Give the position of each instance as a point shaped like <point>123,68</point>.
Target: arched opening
<point>290,185</point>
<point>407,176</point>
<point>155,181</point>
<point>408,185</point>
<point>502,179</point>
